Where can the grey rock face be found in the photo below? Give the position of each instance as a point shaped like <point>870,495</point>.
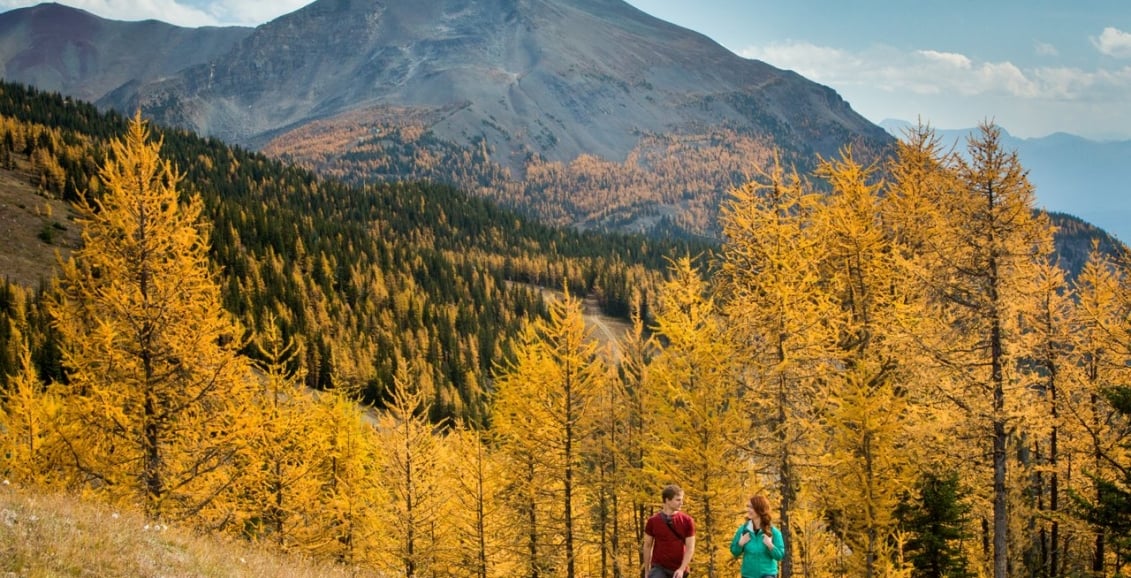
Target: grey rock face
<point>556,77</point>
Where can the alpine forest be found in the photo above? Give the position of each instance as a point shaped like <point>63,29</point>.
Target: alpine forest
<point>407,380</point>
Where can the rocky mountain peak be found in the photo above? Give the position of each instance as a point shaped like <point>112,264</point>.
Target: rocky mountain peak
<point>559,78</point>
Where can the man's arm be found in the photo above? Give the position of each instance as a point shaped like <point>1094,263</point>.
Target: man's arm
<point>688,551</point>
<point>646,553</point>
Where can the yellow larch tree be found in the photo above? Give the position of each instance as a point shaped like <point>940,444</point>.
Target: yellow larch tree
<point>413,527</point>
<point>606,475</point>
<point>349,528</point>
<point>30,444</point>
<point>156,386</point>
<point>700,429</point>
<point>870,411</point>
<point>777,305</point>
<point>616,469</point>
<point>1102,344</point>
<point>920,172</point>
<point>561,375</point>
<point>530,481</point>
<point>1054,445</point>
<point>478,521</point>
<point>279,490</point>
<point>977,271</point>
<point>636,353</point>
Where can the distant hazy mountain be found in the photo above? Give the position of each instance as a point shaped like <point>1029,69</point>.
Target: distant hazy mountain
<point>66,50</point>
<point>1073,175</point>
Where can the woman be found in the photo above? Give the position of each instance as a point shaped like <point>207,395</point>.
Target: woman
<point>758,542</point>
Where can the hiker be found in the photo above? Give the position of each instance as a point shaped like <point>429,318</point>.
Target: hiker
<point>758,542</point>
<point>669,538</point>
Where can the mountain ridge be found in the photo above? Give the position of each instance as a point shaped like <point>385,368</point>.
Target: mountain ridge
<point>588,75</point>
<point>568,108</point>
<point>69,50</point>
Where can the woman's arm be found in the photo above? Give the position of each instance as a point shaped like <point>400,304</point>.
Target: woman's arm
<point>737,545</point>
<point>778,551</point>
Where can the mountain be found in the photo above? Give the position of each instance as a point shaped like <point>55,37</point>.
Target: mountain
<point>73,52</point>
<point>516,81</point>
<point>1071,174</point>
<point>558,77</point>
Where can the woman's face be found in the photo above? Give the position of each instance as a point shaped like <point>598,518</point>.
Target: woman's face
<point>752,515</point>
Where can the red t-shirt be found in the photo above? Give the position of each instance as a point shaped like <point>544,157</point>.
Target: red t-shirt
<point>667,549</point>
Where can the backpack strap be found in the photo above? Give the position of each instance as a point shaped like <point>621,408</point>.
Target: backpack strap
<point>671,526</point>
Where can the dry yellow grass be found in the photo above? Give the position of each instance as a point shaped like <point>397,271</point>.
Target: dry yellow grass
<point>47,535</point>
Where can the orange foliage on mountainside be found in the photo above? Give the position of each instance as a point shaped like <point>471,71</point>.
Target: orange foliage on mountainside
<point>682,178</point>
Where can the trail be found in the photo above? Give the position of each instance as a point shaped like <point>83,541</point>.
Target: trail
<point>607,331</point>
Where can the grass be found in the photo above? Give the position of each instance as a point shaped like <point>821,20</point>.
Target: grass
<point>48,535</point>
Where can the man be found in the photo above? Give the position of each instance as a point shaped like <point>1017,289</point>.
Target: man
<point>669,538</point>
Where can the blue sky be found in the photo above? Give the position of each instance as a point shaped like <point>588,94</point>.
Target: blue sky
<point>1034,67</point>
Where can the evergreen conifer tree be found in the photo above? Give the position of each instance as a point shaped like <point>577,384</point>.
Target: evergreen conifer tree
<point>935,516</point>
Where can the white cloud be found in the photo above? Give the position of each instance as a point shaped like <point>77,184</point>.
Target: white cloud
<point>933,72</point>
<point>1004,78</point>
<point>946,58</point>
<point>189,13</point>
<point>808,60</point>
<point>952,89</point>
<point>252,12</point>
<point>1113,42</point>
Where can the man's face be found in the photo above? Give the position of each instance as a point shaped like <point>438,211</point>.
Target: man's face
<point>676,502</point>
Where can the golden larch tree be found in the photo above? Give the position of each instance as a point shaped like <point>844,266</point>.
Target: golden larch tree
<point>409,471</point>
<point>776,302</point>
<point>348,528</point>
<point>637,350</point>
<point>977,269</point>
<point>1049,448</point>
<point>156,386</point>
<point>1102,344</point>
<point>30,445</point>
<point>560,374</point>
<point>869,434</point>
<point>478,520</point>
<point>280,488</point>
<point>616,457</point>
<point>700,430</point>
<point>530,481</point>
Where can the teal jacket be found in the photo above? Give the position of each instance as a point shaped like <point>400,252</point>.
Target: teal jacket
<point>757,560</point>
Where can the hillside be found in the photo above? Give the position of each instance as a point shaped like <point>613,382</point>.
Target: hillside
<point>35,228</point>
<point>366,277</point>
<point>45,534</point>
<point>866,323</point>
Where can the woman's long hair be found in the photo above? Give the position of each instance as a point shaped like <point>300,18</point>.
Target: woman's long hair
<point>762,507</point>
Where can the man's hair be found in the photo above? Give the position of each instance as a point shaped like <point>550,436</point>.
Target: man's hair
<point>670,491</point>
